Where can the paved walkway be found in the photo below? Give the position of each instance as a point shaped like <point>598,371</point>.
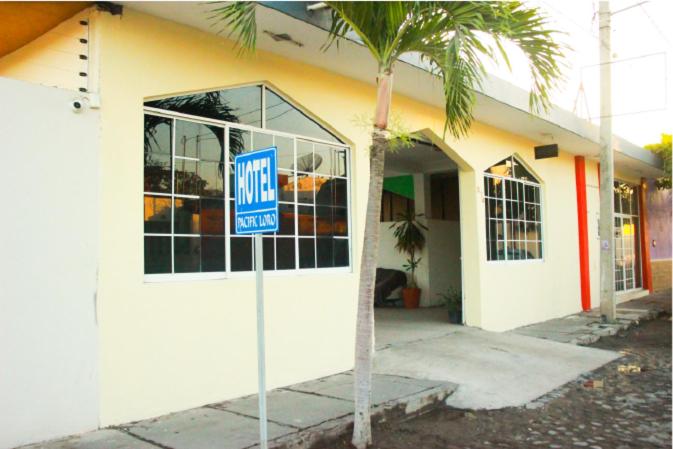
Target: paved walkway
<point>587,327</point>
<point>298,415</point>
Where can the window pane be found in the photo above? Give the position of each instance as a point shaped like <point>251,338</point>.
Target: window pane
<point>305,188</point>
<point>331,221</point>
<point>340,217</point>
<point>617,198</point>
<point>212,254</point>
<point>239,142</point>
<point>285,253</point>
<point>521,172</point>
<point>157,255</point>
<point>533,250</point>
<point>634,200</point>
<point>325,252</point>
<point>157,173</point>
<point>261,141</point>
<point>285,147</point>
<point>212,179</point>
<point>157,214</point>
<point>187,255</point>
<point>286,186</point>
<point>187,180</point>
<point>199,141</point>
<point>341,258</point>
<point>157,135</point>
<point>286,219</point>
<point>325,160</point>
<point>269,253</point>
<point>324,191</point>
<point>212,217</point>
<point>324,221</point>
<point>306,216</point>
<point>306,253</point>
<point>241,253</point>
<point>187,216</point>
<point>238,105</point>
<point>502,168</point>
<point>304,156</point>
<point>341,162</point>
<point>282,116</point>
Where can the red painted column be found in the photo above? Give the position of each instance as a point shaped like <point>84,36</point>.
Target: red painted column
<point>581,188</point>
<point>644,236</point>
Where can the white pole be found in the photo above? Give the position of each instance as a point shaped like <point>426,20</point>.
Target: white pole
<point>261,356</point>
<point>606,228</point>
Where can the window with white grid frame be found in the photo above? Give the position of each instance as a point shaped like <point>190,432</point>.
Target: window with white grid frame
<point>188,199</point>
<point>513,211</point>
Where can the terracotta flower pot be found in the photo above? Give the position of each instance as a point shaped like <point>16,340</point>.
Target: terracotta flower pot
<point>411,297</point>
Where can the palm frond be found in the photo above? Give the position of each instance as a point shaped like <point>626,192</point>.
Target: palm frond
<point>239,19</point>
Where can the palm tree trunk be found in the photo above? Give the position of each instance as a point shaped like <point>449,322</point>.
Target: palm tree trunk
<point>364,337</point>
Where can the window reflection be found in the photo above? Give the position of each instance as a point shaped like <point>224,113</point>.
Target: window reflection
<point>157,173</point>
<point>212,217</point>
<point>285,253</point>
<point>199,141</point>
<point>187,216</point>
<point>286,218</point>
<point>237,105</point>
<point>241,253</point>
<point>157,255</point>
<point>184,173</point>
<point>282,116</point>
<point>157,154</point>
<point>187,257</point>
<point>212,254</point>
<point>306,252</point>
<point>513,212</point>
<point>157,214</point>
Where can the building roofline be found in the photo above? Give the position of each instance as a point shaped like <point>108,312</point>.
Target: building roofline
<point>496,89</point>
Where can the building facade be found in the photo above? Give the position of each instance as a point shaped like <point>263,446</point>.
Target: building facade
<point>169,316</point>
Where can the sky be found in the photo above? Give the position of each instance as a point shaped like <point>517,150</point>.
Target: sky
<point>642,51</point>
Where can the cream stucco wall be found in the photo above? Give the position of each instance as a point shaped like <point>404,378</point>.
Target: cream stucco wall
<point>173,345</point>
<point>53,59</point>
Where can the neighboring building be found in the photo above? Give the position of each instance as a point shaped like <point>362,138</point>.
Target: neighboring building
<point>659,207</point>
<point>126,294</point>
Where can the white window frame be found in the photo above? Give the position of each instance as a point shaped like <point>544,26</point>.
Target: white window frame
<point>228,274</point>
<point>503,198</point>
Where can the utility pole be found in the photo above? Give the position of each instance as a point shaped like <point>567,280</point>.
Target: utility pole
<point>606,228</point>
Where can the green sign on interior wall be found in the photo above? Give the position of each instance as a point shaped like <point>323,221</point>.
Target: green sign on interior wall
<point>401,185</point>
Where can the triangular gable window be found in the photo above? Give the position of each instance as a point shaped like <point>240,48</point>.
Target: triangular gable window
<point>255,106</point>
<point>510,167</point>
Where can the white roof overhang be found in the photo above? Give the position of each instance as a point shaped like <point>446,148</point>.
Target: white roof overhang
<point>498,104</point>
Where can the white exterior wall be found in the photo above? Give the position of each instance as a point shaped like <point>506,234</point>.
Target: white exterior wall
<point>48,236</point>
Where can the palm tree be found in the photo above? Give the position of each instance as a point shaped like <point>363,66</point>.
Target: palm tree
<point>455,38</point>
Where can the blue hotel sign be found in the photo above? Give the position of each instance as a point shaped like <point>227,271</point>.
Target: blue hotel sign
<point>256,191</point>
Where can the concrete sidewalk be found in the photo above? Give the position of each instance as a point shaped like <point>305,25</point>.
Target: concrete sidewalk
<point>493,370</point>
<point>299,416</point>
<point>585,328</point>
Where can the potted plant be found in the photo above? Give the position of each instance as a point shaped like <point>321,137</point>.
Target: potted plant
<point>453,301</point>
<point>410,240</point>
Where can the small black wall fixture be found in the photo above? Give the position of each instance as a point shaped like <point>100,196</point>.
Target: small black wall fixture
<point>546,151</point>
<point>112,8</point>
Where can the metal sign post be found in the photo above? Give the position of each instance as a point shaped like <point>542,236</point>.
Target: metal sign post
<point>256,199</point>
<point>261,353</point>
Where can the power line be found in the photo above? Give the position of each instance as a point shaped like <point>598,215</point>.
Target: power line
<point>654,24</point>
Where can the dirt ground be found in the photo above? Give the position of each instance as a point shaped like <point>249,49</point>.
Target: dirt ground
<point>630,409</point>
